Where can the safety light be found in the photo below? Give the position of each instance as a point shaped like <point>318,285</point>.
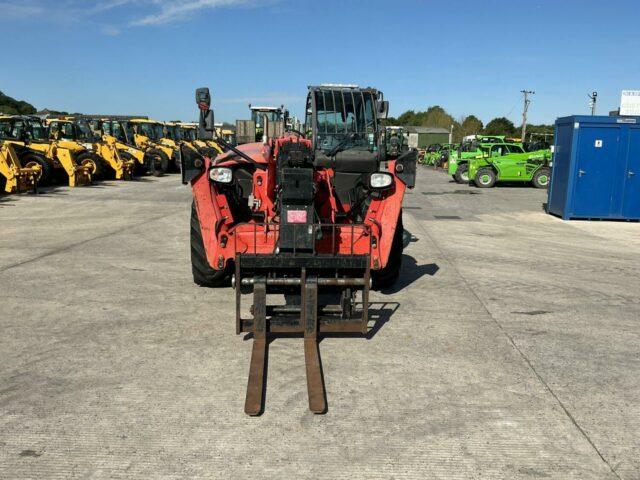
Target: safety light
<point>221,174</point>
<point>380,180</point>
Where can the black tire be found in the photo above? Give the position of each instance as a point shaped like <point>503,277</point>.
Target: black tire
<point>99,168</point>
<point>462,173</point>
<point>157,162</point>
<point>541,178</point>
<point>485,178</point>
<point>387,276</point>
<point>203,274</point>
<point>31,159</point>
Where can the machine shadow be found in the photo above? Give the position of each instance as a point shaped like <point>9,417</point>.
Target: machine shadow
<point>7,199</point>
<point>409,273</point>
<point>379,313</point>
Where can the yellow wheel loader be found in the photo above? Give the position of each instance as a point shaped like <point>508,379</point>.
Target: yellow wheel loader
<point>121,164</point>
<point>149,134</point>
<point>120,133</point>
<point>208,148</point>
<point>190,132</point>
<point>65,133</point>
<point>14,178</point>
<point>47,151</point>
<point>185,135</point>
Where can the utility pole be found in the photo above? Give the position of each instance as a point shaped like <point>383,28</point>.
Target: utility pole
<point>526,94</point>
<point>451,134</point>
<point>593,97</point>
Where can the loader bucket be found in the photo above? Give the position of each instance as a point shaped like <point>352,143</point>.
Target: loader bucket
<point>17,178</point>
<point>78,174</point>
<point>123,168</point>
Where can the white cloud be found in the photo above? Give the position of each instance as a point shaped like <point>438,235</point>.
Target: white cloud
<point>18,11</point>
<point>110,31</point>
<point>174,10</point>
<point>109,5</point>
<point>150,12</point>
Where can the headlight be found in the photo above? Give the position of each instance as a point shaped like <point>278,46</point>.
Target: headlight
<point>221,174</point>
<point>380,180</point>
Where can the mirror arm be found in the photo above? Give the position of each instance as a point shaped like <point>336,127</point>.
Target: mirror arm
<point>228,146</point>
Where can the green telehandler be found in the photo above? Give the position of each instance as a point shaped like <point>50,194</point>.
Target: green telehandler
<point>459,159</point>
<point>508,162</point>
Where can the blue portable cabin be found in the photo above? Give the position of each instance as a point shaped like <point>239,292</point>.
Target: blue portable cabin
<point>596,168</point>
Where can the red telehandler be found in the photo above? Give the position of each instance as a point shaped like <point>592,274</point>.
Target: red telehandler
<point>315,217</point>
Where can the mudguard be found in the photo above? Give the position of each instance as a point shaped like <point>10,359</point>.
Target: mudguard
<point>191,163</point>
<point>406,167</point>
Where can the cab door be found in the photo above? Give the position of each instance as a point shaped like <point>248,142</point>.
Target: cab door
<point>511,164</point>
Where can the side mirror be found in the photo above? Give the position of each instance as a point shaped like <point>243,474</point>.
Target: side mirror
<point>383,109</point>
<point>203,98</point>
<point>206,127</point>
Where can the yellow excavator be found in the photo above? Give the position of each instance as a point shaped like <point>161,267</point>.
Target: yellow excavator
<point>48,151</point>
<point>14,178</point>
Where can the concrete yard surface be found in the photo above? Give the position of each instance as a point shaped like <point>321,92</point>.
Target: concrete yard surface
<point>509,349</point>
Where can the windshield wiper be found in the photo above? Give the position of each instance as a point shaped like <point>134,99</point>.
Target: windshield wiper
<point>341,146</point>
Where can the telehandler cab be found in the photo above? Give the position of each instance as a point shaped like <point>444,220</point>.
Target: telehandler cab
<point>48,152</point>
<point>262,118</point>
<point>317,219</point>
<point>395,140</point>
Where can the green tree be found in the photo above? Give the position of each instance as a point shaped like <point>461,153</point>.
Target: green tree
<point>500,126</point>
<point>407,118</point>
<point>470,125</point>
<point>436,116</point>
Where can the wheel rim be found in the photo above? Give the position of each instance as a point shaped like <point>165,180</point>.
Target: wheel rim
<point>37,167</point>
<point>543,179</point>
<point>91,164</point>
<point>485,179</point>
<point>465,176</point>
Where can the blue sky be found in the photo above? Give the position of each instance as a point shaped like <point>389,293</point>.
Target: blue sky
<point>471,57</point>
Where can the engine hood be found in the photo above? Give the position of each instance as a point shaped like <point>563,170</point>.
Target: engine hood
<point>258,151</point>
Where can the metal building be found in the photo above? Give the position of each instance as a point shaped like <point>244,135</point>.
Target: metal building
<point>596,168</point>
<point>422,137</point>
